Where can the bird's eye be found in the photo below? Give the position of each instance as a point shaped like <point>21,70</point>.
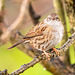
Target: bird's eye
<point>57,18</point>
<point>48,18</point>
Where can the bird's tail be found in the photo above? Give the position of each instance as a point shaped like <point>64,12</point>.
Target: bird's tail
<point>19,42</point>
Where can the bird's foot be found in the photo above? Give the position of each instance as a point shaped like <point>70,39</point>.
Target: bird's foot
<point>56,51</point>
<point>47,55</point>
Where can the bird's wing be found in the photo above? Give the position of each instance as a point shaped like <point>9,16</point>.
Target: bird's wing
<point>36,30</point>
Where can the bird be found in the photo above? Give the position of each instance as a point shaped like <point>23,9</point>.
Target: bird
<point>45,35</point>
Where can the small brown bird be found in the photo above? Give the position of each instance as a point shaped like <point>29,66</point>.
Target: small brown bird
<point>45,35</point>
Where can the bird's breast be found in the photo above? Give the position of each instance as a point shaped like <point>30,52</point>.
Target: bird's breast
<point>57,34</point>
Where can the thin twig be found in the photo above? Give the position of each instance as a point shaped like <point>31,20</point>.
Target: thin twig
<point>37,59</point>
<point>23,12</point>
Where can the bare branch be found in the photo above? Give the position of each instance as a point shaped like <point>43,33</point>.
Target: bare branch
<point>2,26</point>
<point>37,59</point>
<point>23,12</point>
<point>35,17</point>
<point>1,5</point>
<point>4,72</point>
<point>26,66</point>
<point>70,41</point>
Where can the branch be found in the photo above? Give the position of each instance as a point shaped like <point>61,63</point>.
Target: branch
<point>37,59</point>
<point>2,26</point>
<point>26,66</point>
<point>23,12</point>
<point>70,9</point>
<point>70,41</point>
<point>4,72</point>
<point>35,17</point>
<point>1,5</point>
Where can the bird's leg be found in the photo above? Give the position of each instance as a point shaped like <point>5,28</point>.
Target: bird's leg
<point>56,51</point>
<point>47,55</point>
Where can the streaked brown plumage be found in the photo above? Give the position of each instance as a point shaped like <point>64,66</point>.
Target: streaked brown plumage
<point>44,35</point>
